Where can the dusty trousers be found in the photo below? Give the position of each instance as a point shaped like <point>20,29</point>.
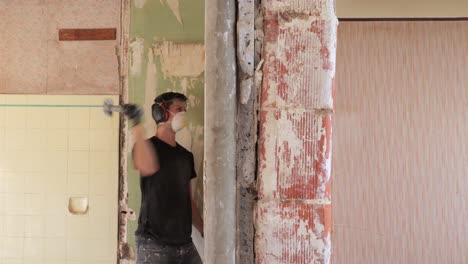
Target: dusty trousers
<point>149,251</point>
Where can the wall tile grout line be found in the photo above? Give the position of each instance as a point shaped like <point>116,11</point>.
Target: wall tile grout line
<point>69,120</point>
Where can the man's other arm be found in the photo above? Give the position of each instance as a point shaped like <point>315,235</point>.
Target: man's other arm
<point>196,217</point>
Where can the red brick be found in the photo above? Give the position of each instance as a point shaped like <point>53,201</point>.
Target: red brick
<point>300,142</point>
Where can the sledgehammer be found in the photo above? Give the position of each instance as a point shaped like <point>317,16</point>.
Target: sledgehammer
<point>108,107</point>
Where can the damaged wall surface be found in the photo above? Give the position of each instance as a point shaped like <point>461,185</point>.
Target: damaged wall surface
<point>293,214</point>
<point>166,53</point>
<point>249,39</point>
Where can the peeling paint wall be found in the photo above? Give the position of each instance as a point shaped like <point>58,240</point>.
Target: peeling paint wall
<point>293,214</point>
<point>34,61</point>
<point>400,159</point>
<point>167,54</point>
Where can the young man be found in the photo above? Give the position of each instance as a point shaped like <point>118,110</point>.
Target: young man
<point>166,168</point>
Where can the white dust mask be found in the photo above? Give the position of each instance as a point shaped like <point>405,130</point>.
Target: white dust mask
<point>179,121</point>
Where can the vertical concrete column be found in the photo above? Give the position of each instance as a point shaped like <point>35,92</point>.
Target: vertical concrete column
<point>220,140</point>
<point>293,214</point>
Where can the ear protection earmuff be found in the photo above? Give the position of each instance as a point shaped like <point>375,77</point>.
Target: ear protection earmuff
<point>160,112</point>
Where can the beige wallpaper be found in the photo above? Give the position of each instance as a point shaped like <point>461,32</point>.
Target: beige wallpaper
<point>34,61</point>
<point>400,150</point>
<point>401,8</point>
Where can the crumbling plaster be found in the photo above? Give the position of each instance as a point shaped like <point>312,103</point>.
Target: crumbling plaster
<point>249,43</point>
<point>293,213</point>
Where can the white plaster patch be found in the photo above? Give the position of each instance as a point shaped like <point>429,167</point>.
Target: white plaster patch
<point>193,101</point>
<point>245,90</point>
<point>272,93</point>
<point>318,226</point>
<point>296,38</point>
<point>174,6</point>
<point>285,141</point>
<point>298,23</point>
<point>268,170</point>
<point>150,94</point>
<point>245,52</point>
<point>327,159</point>
<point>267,226</point>
<point>136,49</point>
<point>326,164</point>
<point>302,64</point>
<point>321,132</point>
<point>327,249</point>
<point>139,3</point>
<point>185,85</point>
<point>181,60</point>
<point>303,229</point>
<point>287,136</point>
<point>333,39</point>
<point>305,241</point>
<point>277,6</point>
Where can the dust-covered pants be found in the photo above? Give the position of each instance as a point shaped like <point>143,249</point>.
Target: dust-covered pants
<point>150,251</point>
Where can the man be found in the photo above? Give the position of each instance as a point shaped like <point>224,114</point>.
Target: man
<point>166,168</point>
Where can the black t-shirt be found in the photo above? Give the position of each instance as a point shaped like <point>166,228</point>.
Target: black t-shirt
<point>166,211</point>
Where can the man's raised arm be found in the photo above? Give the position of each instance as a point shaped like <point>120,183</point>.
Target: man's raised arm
<point>144,155</point>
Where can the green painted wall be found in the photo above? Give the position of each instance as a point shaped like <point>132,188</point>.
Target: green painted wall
<point>158,44</point>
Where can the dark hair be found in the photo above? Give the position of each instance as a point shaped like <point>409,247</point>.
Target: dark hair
<point>169,97</point>
<point>159,109</point>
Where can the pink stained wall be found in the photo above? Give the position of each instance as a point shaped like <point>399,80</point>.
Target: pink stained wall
<point>400,149</point>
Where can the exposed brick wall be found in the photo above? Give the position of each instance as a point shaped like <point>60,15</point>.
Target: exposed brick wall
<point>293,215</point>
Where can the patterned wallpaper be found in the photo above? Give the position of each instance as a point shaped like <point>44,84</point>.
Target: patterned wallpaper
<point>400,155</point>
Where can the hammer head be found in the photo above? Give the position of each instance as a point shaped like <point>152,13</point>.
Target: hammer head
<point>107,107</point>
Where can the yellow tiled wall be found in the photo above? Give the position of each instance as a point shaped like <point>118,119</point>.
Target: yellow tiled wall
<point>53,148</point>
